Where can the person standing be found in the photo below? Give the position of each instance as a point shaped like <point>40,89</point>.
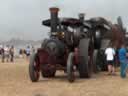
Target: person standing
<point>6,52</point>
<point>123,61</point>
<point>12,53</point>
<point>28,50</point>
<point>110,53</point>
<point>2,54</point>
<point>20,53</point>
<point>33,49</point>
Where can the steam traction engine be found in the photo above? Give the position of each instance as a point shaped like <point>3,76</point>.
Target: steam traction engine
<point>68,46</point>
<point>107,33</point>
<point>73,45</point>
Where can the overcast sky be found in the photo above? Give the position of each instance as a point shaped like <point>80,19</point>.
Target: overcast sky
<point>22,18</point>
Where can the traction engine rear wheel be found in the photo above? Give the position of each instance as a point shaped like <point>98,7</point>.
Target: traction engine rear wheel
<point>95,65</point>
<point>84,67</point>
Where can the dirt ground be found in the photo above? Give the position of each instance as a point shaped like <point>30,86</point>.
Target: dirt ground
<point>14,81</point>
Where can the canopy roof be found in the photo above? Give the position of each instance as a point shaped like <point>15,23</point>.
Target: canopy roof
<point>72,22</point>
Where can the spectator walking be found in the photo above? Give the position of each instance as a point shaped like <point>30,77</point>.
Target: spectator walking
<point>1,49</point>
<point>110,53</point>
<point>21,53</point>
<point>6,53</point>
<point>33,49</point>
<point>123,61</point>
<point>28,50</point>
<point>2,54</point>
<point>12,53</point>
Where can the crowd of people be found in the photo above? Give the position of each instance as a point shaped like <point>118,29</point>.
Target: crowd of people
<point>7,53</point>
<point>26,52</point>
<point>122,55</point>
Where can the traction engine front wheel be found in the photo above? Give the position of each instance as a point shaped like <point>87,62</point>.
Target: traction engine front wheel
<point>70,70</point>
<point>34,68</point>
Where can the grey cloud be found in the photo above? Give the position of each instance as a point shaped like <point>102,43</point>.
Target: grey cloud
<point>22,18</point>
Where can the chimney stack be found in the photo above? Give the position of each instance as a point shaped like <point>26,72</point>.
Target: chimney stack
<point>81,18</point>
<point>54,18</point>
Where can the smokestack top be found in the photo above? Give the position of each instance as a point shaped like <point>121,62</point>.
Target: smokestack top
<point>54,9</point>
<point>81,15</point>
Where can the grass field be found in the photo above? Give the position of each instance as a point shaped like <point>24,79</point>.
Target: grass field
<point>14,81</point>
